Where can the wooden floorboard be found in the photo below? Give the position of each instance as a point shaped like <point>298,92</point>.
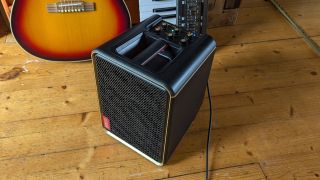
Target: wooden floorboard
<point>293,166</point>
<point>305,12</point>
<point>253,3</point>
<point>266,86</point>
<point>269,52</point>
<point>232,146</point>
<point>247,172</point>
<point>72,84</point>
<point>254,24</point>
<point>316,39</point>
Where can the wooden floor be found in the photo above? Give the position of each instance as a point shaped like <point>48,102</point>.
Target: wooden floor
<point>305,12</point>
<point>266,86</point>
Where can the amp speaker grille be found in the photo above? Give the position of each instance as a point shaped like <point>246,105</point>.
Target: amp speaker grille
<point>136,108</point>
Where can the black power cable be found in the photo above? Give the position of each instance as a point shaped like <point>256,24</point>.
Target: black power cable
<point>209,132</point>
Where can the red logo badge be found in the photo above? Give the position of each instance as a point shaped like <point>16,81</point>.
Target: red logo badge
<point>106,122</point>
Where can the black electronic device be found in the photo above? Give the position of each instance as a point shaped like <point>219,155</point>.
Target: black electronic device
<point>192,15</point>
<point>151,82</point>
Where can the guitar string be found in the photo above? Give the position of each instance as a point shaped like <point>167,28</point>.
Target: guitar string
<point>72,6</point>
<point>62,7</point>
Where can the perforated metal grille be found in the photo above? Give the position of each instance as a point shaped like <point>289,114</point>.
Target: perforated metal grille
<point>137,109</point>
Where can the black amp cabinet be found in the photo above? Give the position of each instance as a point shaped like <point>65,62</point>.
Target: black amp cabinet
<point>151,82</point>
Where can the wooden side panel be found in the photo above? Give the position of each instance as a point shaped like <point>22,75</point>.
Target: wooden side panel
<point>133,6</point>
<point>4,11</point>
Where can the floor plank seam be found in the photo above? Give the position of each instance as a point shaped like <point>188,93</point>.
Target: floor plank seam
<point>262,170</point>
<point>264,64</point>
<point>257,42</point>
<point>250,124</point>
<point>211,170</point>
<point>270,88</point>
<point>46,117</point>
<point>27,89</point>
<point>57,152</point>
<point>230,107</point>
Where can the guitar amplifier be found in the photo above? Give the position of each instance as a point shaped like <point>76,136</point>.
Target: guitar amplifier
<point>151,81</point>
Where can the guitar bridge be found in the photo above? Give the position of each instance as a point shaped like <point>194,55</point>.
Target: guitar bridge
<point>70,7</point>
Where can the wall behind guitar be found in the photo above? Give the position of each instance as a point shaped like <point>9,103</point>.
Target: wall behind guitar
<point>165,8</point>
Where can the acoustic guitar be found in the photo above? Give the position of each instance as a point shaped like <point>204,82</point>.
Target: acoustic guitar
<point>67,30</point>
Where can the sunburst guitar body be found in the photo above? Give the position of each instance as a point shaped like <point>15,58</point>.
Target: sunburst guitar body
<point>67,30</point>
